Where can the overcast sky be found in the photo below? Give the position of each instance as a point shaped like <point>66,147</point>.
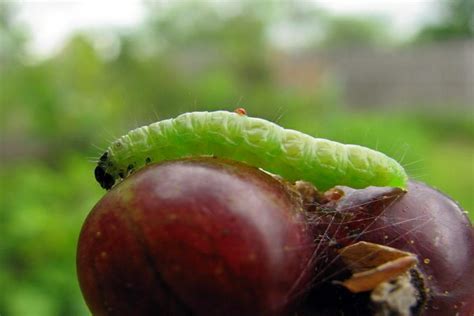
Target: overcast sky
<point>51,22</point>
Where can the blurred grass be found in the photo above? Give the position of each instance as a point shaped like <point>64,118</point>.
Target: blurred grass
<point>56,114</point>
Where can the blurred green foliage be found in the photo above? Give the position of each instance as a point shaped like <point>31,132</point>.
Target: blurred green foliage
<point>58,115</point>
<point>351,31</point>
<point>457,22</point>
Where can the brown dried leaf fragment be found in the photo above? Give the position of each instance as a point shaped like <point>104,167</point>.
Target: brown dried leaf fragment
<point>373,264</point>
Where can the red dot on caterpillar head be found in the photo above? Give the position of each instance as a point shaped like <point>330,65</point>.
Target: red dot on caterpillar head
<point>240,111</point>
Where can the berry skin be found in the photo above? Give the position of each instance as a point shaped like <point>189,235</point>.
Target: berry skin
<point>197,236</point>
<point>421,221</point>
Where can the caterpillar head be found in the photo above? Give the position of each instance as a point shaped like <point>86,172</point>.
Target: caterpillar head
<point>105,179</point>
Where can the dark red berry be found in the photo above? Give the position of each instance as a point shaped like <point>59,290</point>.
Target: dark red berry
<point>195,237</point>
<point>422,221</point>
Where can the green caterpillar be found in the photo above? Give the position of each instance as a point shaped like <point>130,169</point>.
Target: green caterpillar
<point>288,153</point>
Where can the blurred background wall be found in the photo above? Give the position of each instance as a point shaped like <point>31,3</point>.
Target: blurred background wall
<point>436,75</point>
<point>352,75</point>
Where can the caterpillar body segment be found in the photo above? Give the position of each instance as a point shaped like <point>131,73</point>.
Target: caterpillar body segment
<point>288,153</point>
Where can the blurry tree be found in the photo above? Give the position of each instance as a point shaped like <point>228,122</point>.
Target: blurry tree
<point>456,22</point>
<point>355,32</point>
<point>12,38</point>
<point>212,37</point>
